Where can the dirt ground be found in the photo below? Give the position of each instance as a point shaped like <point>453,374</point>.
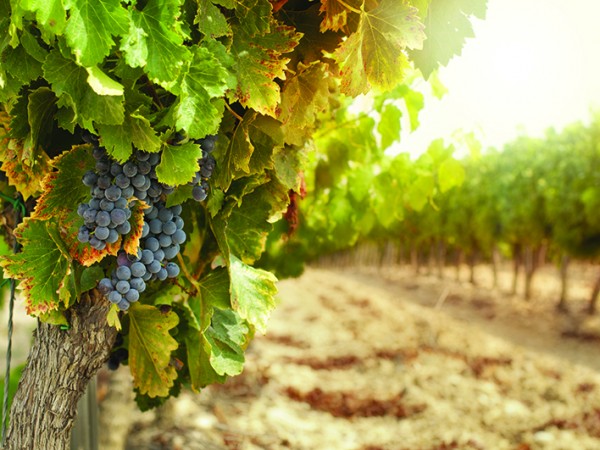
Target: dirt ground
<point>370,360</point>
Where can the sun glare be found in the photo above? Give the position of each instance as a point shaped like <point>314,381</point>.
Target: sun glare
<point>531,66</point>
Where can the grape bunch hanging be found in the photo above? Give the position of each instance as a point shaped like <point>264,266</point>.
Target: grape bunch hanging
<point>114,188</point>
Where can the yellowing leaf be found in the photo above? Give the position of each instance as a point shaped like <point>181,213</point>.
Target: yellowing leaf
<point>150,347</point>
<point>102,84</point>
<point>41,266</point>
<point>374,54</point>
<point>252,293</point>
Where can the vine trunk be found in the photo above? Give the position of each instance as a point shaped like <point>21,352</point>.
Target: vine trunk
<point>59,367</point>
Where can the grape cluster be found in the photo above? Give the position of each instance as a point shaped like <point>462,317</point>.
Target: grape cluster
<point>119,354</point>
<point>114,188</point>
<point>207,165</point>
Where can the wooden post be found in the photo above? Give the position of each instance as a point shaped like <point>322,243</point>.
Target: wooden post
<point>85,430</point>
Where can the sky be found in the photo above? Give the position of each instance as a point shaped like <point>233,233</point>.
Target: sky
<point>533,64</point>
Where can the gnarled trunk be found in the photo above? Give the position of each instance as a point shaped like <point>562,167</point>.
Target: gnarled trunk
<point>59,367</point>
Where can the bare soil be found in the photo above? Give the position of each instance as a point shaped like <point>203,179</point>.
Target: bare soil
<point>371,360</point>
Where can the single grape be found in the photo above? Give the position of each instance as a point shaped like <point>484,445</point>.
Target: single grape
<point>121,203</point>
<point>138,283</point>
<point>124,228</point>
<point>97,243</point>
<point>142,156</point>
<point>95,203</point>
<point>114,297</point>
<point>123,286</point>
<point>199,193</point>
<point>165,215</point>
<point>113,236</point>
<point>102,218</point>
<point>155,226</point>
<point>152,244</point>
<point>83,235</point>
<point>147,256</point>
<point>115,169</point>
<point>102,167</point>
<point>144,167</point>
<point>130,169</point>
<point>118,216</point>
<point>165,240</point>
<point>159,255</point>
<point>89,215</point>
<point>176,210</point>
<point>169,228</point>
<point>113,193</point>
<point>145,229</point>
<point>127,192</point>
<point>101,233</point>
<point>123,305</point>
<point>89,178</point>
<point>172,270</point>
<point>122,181</point>
<point>138,269</point>
<point>123,259</point>
<point>162,274</point>
<point>103,182</point>
<point>171,251</point>
<point>123,272</point>
<point>179,237</point>
<point>132,296</point>
<point>153,267</point>
<point>151,213</point>
<point>105,286</point>
<point>138,181</point>
<point>106,205</point>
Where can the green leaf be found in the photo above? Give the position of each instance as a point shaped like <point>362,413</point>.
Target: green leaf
<point>255,15</point>
<point>210,20</point>
<point>51,16</point>
<point>205,80</point>
<point>389,125</point>
<point>252,293</point>
<point>214,289</point>
<point>258,61</point>
<point>41,266</point>
<point>155,41</point>
<point>450,174</point>
<point>69,82</point>
<point>136,130</point>
<point>40,113</point>
<point>420,191</point>
<point>91,26</point>
<point>150,347</point>
<point>242,227</point>
<point>200,368</point>
<point>227,336</point>
<point>102,84</point>
<point>179,163</point>
<point>90,277</point>
<point>448,26</point>
<point>373,55</point>
<point>250,150</point>
<point>21,64</point>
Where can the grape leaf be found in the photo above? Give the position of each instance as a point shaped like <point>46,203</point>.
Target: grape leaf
<point>135,130</point>
<point>24,174</point>
<point>210,20</point>
<point>252,293</point>
<point>214,289</point>
<point>389,125</point>
<point>131,242</point>
<point>373,55</point>
<point>179,163</point>
<point>303,97</point>
<point>227,337</point>
<point>447,27</point>
<point>21,64</point>
<point>69,82</point>
<point>91,26</point>
<point>200,368</point>
<point>154,41</point>
<point>258,61</point>
<point>250,150</point>
<point>41,265</point>
<point>242,227</point>
<point>450,174</point>
<point>150,347</point>
<point>40,113</point>
<point>336,13</point>
<point>51,16</point>
<point>102,84</point>
<point>63,189</point>
<point>206,79</point>
<point>255,15</point>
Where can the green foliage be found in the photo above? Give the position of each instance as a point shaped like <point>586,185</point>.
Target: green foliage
<point>264,78</point>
